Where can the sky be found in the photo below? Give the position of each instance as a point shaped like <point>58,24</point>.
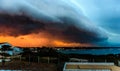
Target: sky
<point>60,23</point>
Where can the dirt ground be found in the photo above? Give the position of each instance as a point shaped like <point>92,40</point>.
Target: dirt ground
<point>26,66</point>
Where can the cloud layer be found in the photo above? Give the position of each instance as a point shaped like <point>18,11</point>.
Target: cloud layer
<point>60,20</point>
<point>106,14</point>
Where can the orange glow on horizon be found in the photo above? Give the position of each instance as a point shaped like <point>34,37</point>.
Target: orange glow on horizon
<point>40,40</point>
<point>65,44</point>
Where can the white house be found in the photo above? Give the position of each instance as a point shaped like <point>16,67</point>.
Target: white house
<point>77,60</point>
<point>14,50</point>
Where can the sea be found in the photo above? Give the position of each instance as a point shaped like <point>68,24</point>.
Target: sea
<point>92,51</point>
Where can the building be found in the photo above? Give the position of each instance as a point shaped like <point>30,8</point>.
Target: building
<point>11,50</point>
<point>78,60</point>
<point>78,66</point>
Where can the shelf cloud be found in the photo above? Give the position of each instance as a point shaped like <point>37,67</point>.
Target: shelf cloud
<point>59,19</point>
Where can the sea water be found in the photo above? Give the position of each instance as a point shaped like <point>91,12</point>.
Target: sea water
<point>91,51</point>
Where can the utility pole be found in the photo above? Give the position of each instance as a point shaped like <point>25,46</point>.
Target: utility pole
<point>29,58</point>
<point>38,59</point>
<point>48,59</point>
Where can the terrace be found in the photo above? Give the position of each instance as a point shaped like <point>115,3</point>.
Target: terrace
<point>78,66</point>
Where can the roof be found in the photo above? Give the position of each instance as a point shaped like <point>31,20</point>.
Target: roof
<point>78,66</point>
<point>4,43</point>
<point>11,50</point>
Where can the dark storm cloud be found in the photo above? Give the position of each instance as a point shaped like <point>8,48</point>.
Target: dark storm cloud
<point>21,25</point>
<point>67,25</point>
